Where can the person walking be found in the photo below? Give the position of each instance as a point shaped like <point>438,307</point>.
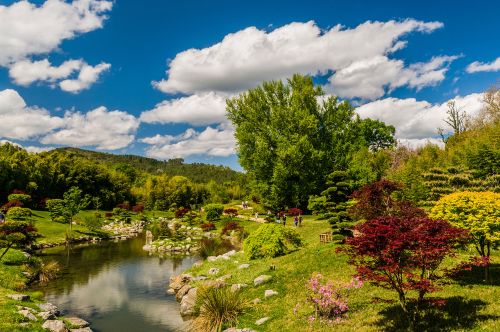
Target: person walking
<point>300,221</point>
<point>278,221</point>
<point>296,221</point>
<point>284,219</point>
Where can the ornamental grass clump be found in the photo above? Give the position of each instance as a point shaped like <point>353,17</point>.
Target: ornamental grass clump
<point>218,307</point>
<point>329,299</point>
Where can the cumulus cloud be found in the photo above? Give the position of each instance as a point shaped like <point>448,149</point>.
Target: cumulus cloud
<point>27,29</point>
<point>18,121</point>
<point>217,141</point>
<point>370,78</point>
<point>88,75</point>
<point>417,121</point>
<point>199,110</point>
<point>414,143</point>
<point>244,59</point>
<point>26,72</point>
<point>106,130</point>
<point>477,66</point>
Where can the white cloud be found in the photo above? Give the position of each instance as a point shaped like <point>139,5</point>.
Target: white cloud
<point>18,121</point>
<point>38,149</point>
<point>27,29</point>
<point>244,59</point>
<point>199,110</point>
<point>26,72</point>
<point>211,141</point>
<point>414,143</point>
<point>88,75</point>
<point>417,120</point>
<point>370,78</point>
<point>477,66</point>
<point>106,130</point>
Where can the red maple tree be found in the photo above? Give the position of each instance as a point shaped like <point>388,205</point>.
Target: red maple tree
<point>404,254</point>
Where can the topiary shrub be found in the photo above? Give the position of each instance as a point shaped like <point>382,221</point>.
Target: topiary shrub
<point>19,213</point>
<point>271,240</point>
<point>122,214</point>
<point>24,198</point>
<point>231,226</point>
<point>56,210</point>
<point>214,211</point>
<point>231,212</point>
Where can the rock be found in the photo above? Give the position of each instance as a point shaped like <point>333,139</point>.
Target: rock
<point>171,291</point>
<point>45,315</point>
<point>199,278</point>
<point>256,300</point>
<point>183,291</point>
<point>27,314</point>
<point>84,329</point>
<point>76,322</point>
<point>198,264</point>
<point>19,297</point>
<point>224,277</point>
<point>262,321</point>
<point>55,326</point>
<point>211,258</point>
<point>187,302</point>
<point>237,287</point>
<point>49,307</point>
<point>234,329</point>
<point>269,293</point>
<point>176,282</point>
<point>230,253</point>
<point>261,279</point>
<point>244,266</point>
<point>213,270</point>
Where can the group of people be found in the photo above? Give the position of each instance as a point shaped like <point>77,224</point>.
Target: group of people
<point>281,217</point>
<point>245,205</point>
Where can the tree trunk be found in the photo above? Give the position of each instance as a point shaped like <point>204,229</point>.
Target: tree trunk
<point>5,251</point>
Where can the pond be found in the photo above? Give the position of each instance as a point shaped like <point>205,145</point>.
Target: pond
<point>116,286</point>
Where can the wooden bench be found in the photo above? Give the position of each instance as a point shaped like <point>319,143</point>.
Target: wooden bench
<point>325,238</point>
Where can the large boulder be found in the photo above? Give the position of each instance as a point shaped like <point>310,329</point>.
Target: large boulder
<point>76,322</point>
<point>176,282</point>
<point>261,279</point>
<point>28,314</point>
<point>55,326</point>
<point>183,291</point>
<point>187,302</point>
<point>49,307</point>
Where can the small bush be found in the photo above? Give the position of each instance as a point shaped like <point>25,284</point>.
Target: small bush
<point>192,218</point>
<point>206,227</point>
<point>138,208</point>
<point>11,204</point>
<point>271,240</point>
<point>179,213</point>
<point>160,229</point>
<point>124,206</point>
<point>231,226</point>
<point>56,210</point>
<point>108,215</point>
<point>218,307</point>
<point>19,213</point>
<point>214,211</point>
<point>25,199</point>
<point>92,222</point>
<point>231,212</point>
<point>294,212</point>
<point>122,214</point>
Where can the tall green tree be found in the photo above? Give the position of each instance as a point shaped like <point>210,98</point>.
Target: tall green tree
<point>74,202</point>
<point>290,136</point>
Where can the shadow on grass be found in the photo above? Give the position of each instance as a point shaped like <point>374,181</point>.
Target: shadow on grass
<point>476,276</point>
<point>457,313</point>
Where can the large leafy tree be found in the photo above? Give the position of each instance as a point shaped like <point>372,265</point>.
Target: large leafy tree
<point>290,136</point>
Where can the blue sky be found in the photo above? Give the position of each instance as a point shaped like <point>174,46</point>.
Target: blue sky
<point>85,80</point>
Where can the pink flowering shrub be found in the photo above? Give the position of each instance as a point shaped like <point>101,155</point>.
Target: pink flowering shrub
<point>329,299</point>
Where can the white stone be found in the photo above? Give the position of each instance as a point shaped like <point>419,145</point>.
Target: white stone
<point>269,293</point>
<point>76,322</point>
<point>187,302</point>
<point>19,297</point>
<point>27,314</point>
<point>244,266</point>
<point>262,321</point>
<point>213,270</point>
<point>261,279</point>
<point>55,326</point>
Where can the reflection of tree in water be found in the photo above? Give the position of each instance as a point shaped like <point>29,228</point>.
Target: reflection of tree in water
<point>82,262</point>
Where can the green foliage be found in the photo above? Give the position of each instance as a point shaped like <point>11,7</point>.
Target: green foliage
<point>477,212</point>
<point>271,240</point>
<point>192,218</point>
<point>160,228</point>
<point>19,234</point>
<point>93,222</point>
<point>219,306</point>
<point>25,199</point>
<point>289,141</point>
<point>122,214</point>
<point>213,211</point>
<point>56,209</point>
<point>19,213</point>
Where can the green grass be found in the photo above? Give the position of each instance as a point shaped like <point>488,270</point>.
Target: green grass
<point>472,306</point>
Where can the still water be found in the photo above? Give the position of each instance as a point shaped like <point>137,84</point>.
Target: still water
<point>116,286</point>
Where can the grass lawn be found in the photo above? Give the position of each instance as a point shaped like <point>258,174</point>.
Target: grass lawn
<point>471,306</point>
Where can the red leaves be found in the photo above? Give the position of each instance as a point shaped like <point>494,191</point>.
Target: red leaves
<point>179,213</point>
<point>231,212</point>
<point>403,253</point>
<point>294,212</point>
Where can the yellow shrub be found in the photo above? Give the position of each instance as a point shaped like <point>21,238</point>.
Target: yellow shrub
<point>478,212</point>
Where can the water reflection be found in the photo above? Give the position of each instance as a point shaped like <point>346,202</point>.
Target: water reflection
<point>117,286</point>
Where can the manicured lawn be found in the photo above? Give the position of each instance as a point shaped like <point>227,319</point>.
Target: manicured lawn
<point>471,306</point>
